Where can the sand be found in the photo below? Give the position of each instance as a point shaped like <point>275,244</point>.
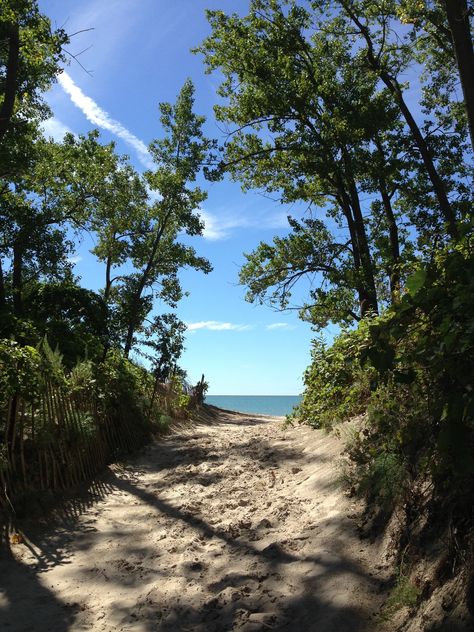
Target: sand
<point>232,523</point>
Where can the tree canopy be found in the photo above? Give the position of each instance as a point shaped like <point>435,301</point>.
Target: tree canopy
<point>54,193</point>
<point>318,110</point>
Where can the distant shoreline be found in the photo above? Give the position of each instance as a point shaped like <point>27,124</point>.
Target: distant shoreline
<point>273,405</point>
<point>226,395</point>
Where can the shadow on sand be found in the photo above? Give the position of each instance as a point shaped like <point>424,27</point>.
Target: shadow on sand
<point>28,601</point>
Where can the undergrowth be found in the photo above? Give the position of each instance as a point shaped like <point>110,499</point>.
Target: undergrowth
<point>411,370</point>
<point>60,426</point>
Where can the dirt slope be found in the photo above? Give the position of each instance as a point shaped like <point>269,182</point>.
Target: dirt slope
<point>232,524</point>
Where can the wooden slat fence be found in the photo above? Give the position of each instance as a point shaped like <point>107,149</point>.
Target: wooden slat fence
<point>58,440</point>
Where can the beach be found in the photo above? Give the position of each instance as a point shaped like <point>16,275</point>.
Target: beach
<point>227,523</point>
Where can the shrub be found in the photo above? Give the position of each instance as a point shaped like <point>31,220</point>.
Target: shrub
<point>179,401</point>
<point>420,422</point>
<point>423,351</point>
<point>336,386</point>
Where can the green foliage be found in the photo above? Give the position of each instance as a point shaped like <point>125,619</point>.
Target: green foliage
<point>144,233</point>
<point>411,369</point>
<point>31,53</point>
<point>430,340</point>
<point>179,402</point>
<point>272,271</point>
<point>314,98</point>
<point>60,427</point>
<point>20,370</point>
<point>420,423</point>
<point>121,386</point>
<point>376,468</point>
<point>403,595</point>
<point>76,401</point>
<point>71,317</point>
<point>165,338</point>
<point>336,387</point>
<point>53,360</point>
<point>81,377</point>
<point>164,423</point>
<point>83,185</point>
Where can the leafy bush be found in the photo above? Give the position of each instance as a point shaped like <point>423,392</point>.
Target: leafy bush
<point>81,376</point>
<point>122,387</point>
<point>423,351</point>
<point>336,386</point>
<point>420,422</point>
<point>60,427</point>
<point>179,401</point>
<point>20,370</point>
<point>403,595</point>
<point>412,369</point>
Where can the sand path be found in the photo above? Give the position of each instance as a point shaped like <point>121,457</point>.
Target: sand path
<point>232,524</point>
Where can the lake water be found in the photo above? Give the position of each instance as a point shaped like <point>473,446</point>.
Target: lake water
<point>278,405</point>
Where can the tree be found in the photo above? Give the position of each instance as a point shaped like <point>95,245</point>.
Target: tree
<point>458,13</point>
<point>157,255</point>
<point>292,102</point>
<point>387,63</point>
<point>316,112</point>
<point>30,54</point>
<point>165,339</point>
<point>71,317</point>
<point>440,31</point>
<point>272,272</point>
<point>43,209</point>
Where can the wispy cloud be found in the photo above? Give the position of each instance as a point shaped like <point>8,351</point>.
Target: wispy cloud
<point>222,225</point>
<point>275,220</point>
<point>97,116</point>
<point>275,326</point>
<point>217,228</point>
<point>111,25</point>
<point>55,129</point>
<point>215,325</point>
<point>74,259</point>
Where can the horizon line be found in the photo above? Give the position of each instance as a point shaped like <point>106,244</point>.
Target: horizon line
<point>243,395</point>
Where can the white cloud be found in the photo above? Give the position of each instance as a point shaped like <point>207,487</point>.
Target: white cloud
<point>111,24</point>
<point>97,116</point>
<point>55,129</point>
<point>221,226</point>
<point>74,259</point>
<point>215,325</point>
<point>275,220</point>
<point>274,326</point>
<point>217,228</point>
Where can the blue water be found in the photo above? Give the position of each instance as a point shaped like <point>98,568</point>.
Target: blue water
<point>262,404</point>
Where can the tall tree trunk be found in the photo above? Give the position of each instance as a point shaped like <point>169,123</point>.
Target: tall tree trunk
<point>134,311</point>
<point>394,272</point>
<point>107,290</point>
<point>420,141</point>
<point>8,105</point>
<point>364,295</point>
<point>133,324</point>
<point>17,279</point>
<point>130,333</point>
<point>370,304</point>
<point>108,280</point>
<point>458,18</point>
<point>3,297</point>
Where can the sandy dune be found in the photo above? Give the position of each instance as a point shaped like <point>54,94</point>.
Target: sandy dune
<point>231,524</point>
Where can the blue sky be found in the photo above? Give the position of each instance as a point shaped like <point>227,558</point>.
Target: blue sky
<point>138,54</point>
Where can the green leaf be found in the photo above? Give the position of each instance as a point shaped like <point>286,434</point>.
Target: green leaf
<point>416,281</point>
